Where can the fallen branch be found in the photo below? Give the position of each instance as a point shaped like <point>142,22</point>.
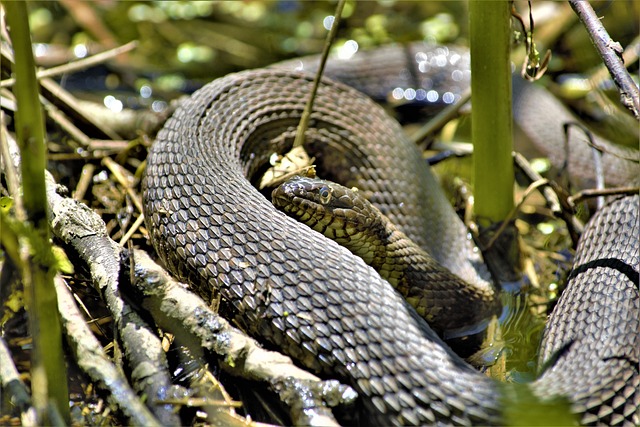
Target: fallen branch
<point>188,317</point>
<point>83,230</point>
<point>93,360</point>
<point>14,387</point>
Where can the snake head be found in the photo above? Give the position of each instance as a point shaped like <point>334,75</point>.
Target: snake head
<point>329,208</point>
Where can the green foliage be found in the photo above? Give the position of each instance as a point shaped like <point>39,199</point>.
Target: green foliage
<point>40,248</point>
<point>5,204</point>
<point>11,229</point>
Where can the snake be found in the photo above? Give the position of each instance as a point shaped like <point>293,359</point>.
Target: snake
<point>312,299</point>
<point>451,306</point>
<point>433,76</point>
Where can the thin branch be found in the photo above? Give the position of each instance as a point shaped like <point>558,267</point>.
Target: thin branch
<point>306,114</point>
<point>442,118</point>
<point>631,155</point>
<point>599,192</point>
<point>93,360</point>
<point>611,53</point>
<point>629,56</point>
<point>574,226</point>
<point>79,64</point>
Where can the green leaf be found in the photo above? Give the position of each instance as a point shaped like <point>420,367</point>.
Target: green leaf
<point>6,203</point>
<point>62,261</point>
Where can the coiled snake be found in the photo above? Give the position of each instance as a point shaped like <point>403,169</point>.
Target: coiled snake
<point>312,299</point>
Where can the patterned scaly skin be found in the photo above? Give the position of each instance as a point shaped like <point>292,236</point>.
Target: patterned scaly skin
<point>451,306</point>
<point>290,287</point>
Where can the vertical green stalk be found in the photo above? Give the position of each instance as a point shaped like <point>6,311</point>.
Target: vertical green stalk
<point>49,379</point>
<point>491,116</point>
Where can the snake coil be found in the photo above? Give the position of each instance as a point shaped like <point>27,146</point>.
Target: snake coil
<point>313,300</point>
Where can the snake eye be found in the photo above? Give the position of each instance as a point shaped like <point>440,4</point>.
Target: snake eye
<point>325,194</point>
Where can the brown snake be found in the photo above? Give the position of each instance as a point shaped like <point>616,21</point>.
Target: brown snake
<point>312,299</point>
<point>451,306</point>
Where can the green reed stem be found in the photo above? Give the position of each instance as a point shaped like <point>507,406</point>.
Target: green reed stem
<point>48,372</point>
<point>491,116</point>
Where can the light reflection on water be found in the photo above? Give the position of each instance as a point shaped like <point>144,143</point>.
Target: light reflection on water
<point>509,352</point>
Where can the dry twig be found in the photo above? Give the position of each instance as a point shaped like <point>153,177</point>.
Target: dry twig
<point>611,53</point>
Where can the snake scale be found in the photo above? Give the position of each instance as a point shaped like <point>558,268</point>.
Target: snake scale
<point>312,299</point>
<point>451,306</point>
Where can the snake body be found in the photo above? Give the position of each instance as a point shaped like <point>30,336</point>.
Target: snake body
<point>451,306</point>
<point>314,300</point>
<point>594,330</point>
<point>433,76</point>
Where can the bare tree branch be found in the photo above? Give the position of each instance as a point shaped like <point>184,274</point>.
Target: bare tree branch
<point>611,53</point>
